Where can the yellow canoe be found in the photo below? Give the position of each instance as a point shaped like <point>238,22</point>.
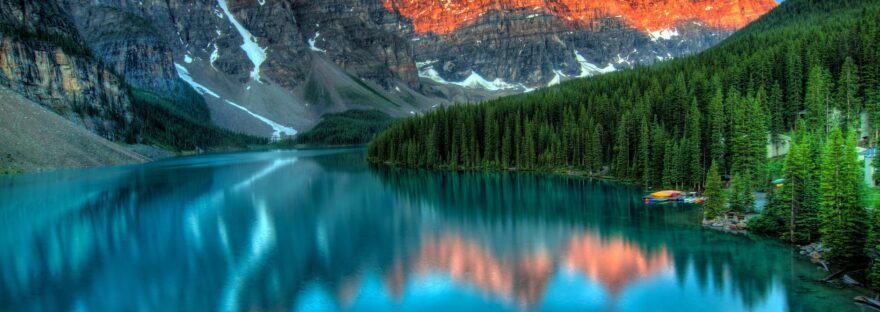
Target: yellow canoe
<point>666,194</point>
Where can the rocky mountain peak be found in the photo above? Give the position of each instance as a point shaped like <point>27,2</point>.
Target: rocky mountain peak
<point>447,16</point>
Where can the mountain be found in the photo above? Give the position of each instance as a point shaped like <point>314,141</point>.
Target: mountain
<point>43,57</point>
<point>527,44</point>
<point>185,75</point>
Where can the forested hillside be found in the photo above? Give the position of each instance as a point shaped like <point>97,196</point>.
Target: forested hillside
<point>183,124</point>
<point>664,125</point>
<point>350,127</point>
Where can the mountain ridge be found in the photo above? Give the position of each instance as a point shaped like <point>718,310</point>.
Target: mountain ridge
<point>646,15</point>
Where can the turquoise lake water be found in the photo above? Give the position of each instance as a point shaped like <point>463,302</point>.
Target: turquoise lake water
<point>323,231</point>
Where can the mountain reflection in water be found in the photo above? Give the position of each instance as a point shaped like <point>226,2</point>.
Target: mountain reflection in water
<point>319,230</point>
<point>523,279</point>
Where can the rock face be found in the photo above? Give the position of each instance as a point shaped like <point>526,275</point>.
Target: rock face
<point>287,62</point>
<point>43,58</point>
<point>532,43</point>
<point>129,44</point>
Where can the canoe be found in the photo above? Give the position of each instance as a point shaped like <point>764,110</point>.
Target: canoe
<point>666,194</point>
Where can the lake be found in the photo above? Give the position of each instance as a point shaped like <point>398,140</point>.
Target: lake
<point>322,231</point>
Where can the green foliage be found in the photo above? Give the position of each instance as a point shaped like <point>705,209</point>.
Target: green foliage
<point>771,221</point>
<point>874,274</point>
<point>742,197</point>
<point>818,99</point>
<point>847,99</point>
<point>799,195</point>
<point>872,249</point>
<point>347,128</point>
<point>749,137</point>
<point>191,105</point>
<point>841,215</point>
<point>715,200</point>
<point>182,125</point>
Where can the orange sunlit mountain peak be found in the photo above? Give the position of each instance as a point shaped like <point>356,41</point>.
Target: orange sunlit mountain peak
<point>447,16</point>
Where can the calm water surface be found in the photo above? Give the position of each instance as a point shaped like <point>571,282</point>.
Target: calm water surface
<point>320,230</point>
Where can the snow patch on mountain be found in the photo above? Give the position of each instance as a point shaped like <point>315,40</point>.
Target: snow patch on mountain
<point>183,74</point>
<point>557,78</point>
<point>277,128</point>
<point>215,55</point>
<point>254,52</point>
<point>314,40</point>
<point>665,34</point>
<point>590,69</point>
<point>473,81</point>
<point>426,70</point>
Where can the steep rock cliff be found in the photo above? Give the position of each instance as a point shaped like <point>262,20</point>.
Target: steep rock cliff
<point>43,58</point>
<point>129,44</point>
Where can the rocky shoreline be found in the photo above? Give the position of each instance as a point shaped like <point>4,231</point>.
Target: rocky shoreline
<point>734,223</point>
<point>738,224</point>
<point>815,252</point>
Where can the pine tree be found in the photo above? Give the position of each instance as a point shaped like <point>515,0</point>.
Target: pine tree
<point>490,141</point>
<point>644,152</point>
<point>749,142</point>
<point>621,149</point>
<point>799,192</point>
<point>874,274</point>
<point>739,136</point>
<point>716,125</point>
<point>841,216</point>
<point>715,200</point>
<point>817,99</point>
<point>848,101</point>
<point>777,114</point>
<point>872,249</point>
<point>432,148</point>
<point>658,155</point>
<point>693,146</point>
<point>670,165</point>
<point>758,139</point>
<point>794,84</point>
<point>595,152</point>
<point>736,192</point>
<point>748,194</point>
<point>771,221</point>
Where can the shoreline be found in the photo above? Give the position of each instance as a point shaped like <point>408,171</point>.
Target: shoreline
<point>812,252</point>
